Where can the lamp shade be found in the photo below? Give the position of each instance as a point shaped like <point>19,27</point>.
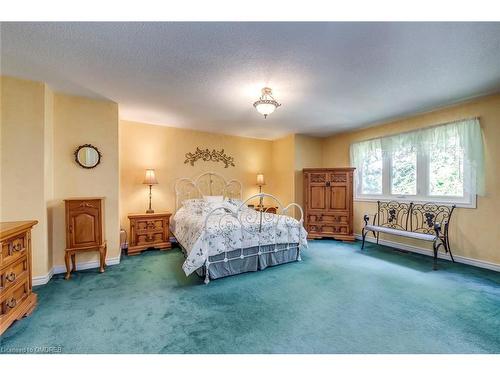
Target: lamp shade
<point>150,177</point>
<point>260,179</point>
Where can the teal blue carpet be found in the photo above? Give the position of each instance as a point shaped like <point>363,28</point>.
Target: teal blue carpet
<point>338,300</point>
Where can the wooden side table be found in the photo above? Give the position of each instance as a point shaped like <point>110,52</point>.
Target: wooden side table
<point>84,230</point>
<point>149,231</point>
<point>267,209</point>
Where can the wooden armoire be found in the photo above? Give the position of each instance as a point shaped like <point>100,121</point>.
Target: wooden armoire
<point>328,196</point>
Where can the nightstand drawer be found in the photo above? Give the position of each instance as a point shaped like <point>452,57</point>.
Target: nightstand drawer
<point>154,225</point>
<point>151,238</point>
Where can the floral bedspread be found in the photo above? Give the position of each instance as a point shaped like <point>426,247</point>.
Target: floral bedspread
<point>228,228</point>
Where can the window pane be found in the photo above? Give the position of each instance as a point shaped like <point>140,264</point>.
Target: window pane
<point>371,177</point>
<point>404,172</point>
<point>446,170</point>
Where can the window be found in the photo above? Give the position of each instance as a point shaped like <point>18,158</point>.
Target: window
<point>372,178</point>
<point>443,164</point>
<point>404,172</point>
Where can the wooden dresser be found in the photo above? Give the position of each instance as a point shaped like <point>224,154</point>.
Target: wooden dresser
<point>84,230</point>
<point>16,298</point>
<point>328,201</point>
<point>149,231</point>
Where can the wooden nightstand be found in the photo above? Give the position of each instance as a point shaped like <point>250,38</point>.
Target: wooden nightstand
<point>149,231</point>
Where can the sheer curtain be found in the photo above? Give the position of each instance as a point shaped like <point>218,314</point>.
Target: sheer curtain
<point>462,137</point>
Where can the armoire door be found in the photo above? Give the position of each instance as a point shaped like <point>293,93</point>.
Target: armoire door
<point>84,226</point>
<point>339,193</point>
<point>317,191</point>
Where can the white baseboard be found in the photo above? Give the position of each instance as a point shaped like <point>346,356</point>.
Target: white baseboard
<point>41,280</point>
<point>424,251</point>
<point>44,279</point>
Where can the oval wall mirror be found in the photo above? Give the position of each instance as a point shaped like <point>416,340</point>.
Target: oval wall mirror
<point>87,156</point>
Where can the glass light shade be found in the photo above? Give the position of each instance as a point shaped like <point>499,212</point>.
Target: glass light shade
<point>150,177</point>
<point>260,179</point>
<point>265,108</point>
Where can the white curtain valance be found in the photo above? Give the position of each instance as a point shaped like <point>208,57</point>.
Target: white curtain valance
<point>427,140</point>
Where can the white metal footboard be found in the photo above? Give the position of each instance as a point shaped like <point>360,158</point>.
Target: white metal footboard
<point>256,229</point>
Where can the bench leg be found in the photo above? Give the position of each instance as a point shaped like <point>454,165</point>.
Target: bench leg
<point>446,245</point>
<point>363,233</point>
<point>435,248</point>
<point>378,234</point>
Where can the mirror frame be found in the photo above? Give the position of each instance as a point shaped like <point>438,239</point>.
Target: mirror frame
<point>99,156</point>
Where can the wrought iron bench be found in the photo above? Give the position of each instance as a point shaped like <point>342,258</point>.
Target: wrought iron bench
<point>422,221</point>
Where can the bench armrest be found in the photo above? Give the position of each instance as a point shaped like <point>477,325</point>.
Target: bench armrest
<point>366,218</point>
<point>437,228</point>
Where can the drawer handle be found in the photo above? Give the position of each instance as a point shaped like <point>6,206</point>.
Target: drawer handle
<point>15,248</point>
<point>11,304</point>
<point>11,277</point>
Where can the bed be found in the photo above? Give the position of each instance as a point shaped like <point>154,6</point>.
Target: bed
<point>221,236</point>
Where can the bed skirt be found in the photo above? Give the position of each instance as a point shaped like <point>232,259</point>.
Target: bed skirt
<point>251,262</point>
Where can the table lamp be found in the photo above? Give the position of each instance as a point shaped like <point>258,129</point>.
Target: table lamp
<point>260,181</point>
<point>150,179</point>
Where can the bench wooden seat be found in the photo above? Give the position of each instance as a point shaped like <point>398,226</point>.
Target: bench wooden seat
<point>421,221</point>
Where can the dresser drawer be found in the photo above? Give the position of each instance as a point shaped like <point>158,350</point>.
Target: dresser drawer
<point>14,297</point>
<point>11,274</point>
<point>13,248</point>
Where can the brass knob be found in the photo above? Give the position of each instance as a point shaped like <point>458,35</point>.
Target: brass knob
<point>11,304</point>
<point>11,277</point>
<point>15,248</point>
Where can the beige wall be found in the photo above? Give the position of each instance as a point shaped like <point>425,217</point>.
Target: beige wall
<point>308,154</point>
<point>40,131</point>
<point>163,148</point>
<point>474,232</point>
<point>283,157</point>
<point>79,121</point>
<point>23,196</point>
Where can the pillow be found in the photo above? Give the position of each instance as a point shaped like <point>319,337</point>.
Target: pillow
<point>213,198</point>
<point>234,203</point>
<point>194,205</point>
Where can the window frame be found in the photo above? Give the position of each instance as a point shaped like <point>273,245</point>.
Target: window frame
<point>468,200</point>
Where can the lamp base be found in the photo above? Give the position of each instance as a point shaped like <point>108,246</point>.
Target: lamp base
<point>150,211</point>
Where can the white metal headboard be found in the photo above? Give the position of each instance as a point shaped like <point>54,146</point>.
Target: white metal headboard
<point>208,183</point>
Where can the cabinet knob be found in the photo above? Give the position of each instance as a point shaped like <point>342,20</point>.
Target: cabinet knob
<point>11,277</point>
<point>11,303</point>
<point>15,248</point>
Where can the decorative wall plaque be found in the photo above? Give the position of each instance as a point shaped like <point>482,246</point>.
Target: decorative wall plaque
<point>207,155</point>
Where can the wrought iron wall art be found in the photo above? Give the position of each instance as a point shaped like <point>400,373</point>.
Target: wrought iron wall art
<point>207,155</point>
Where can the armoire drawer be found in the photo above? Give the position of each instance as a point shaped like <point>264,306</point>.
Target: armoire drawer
<point>335,229</point>
<point>13,248</point>
<point>334,218</point>
<point>11,274</point>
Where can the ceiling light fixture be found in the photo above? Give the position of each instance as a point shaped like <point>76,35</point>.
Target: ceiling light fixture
<point>266,104</point>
